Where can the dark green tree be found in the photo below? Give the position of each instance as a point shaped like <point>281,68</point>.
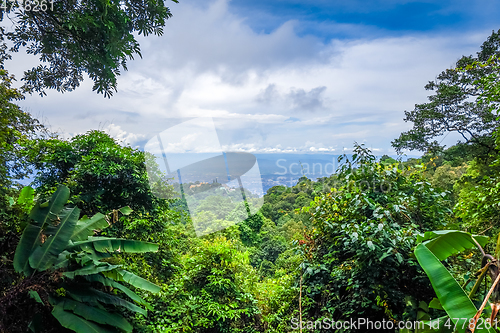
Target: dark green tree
<point>73,38</point>
<point>102,175</point>
<point>454,108</point>
<point>16,129</point>
<point>479,197</point>
<point>100,172</point>
<point>359,252</point>
<point>16,126</point>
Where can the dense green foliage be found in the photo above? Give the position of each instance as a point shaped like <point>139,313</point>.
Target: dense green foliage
<point>214,292</point>
<point>480,187</point>
<point>380,239</point>
<point>15,126</point>
<point>358,255</point>
<point>73,38</point>
<point>62,262</point>
<point>459,305</point>
<point>100,172</point>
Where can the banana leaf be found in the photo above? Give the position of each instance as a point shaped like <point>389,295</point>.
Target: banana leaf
<point>76,323</point>
<point>85,227</point>
<point>92,296</point>
<point>110,283</point>
<point>31,238</point>
<point>95,314</point>
<point>42,213</point>
<point>42,257</point>
<point>62,260</point>
<point>105,244</point>
<point>452,297</point>
<point>91,269</point>
<point>445,243</point>
<point>134,280</point>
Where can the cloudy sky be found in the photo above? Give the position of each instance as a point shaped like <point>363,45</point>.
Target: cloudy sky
<point>282,75</point>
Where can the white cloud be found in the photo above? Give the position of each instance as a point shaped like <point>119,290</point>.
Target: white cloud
<point>124,137</point>
<point>267,92</point>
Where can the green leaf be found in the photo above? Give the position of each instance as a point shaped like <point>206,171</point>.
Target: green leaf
<point>33,294</point>
<point>36,325</point>
<point>91,295</point>
<point>126,210</point>
<point>445,243</point>
<point>26,196</point>
<point>385,255</point>
<point>105,244</point>
<point>136,281</point>
<point>90,269</point>
<point>44,256</point>
<point>76,323</point>
<point>95,314</point>
<point>43,215</point>
<point>110,283</point>
<point>435,304</point>
<point>61,261</point>
<point>452,297</point>
<point>85,227</point>
<point>31,238</point>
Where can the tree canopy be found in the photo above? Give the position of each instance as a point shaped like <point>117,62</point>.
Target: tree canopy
<point>73,38</point>
<point>16,126</point>
<point>454,107</point>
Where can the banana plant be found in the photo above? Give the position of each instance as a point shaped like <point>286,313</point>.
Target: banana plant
<point>463,316</point>
<point>60,244</point>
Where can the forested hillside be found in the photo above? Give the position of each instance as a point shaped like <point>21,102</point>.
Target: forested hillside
<point>90,247</point>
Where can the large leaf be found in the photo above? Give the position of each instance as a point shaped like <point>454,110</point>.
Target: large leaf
<point>42,213</point>
<point>445,243</point>
<point>31,238</point>
<point>452,297</point>
<point>91,269</point>
<point>44,256</point>
<point>91,295</point>
<point>95,314</point>
<point>136,281</point>
<point>105,244</point>
<point>76,323</point>
<point>110,283</point>
<point>97,256</point>
<point>26,197</point>
<point>85,227</point>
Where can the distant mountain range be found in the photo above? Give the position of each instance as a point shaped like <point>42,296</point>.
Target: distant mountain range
<point>275,168</point>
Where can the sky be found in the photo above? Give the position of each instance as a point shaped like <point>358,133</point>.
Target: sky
<point>282,76</point>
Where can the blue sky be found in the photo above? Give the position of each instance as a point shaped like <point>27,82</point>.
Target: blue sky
<point>384,17</point>
<point>280,76</point>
